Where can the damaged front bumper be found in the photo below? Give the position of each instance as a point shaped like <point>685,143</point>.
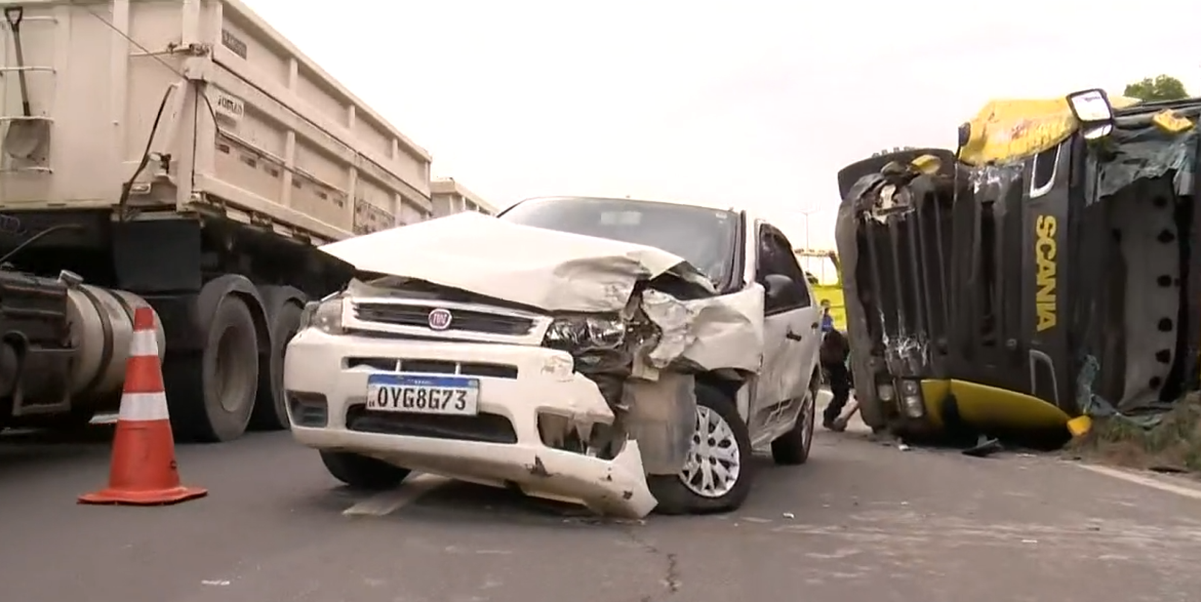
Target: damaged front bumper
<point>502,445</point>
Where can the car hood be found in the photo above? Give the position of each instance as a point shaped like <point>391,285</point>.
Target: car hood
<point>545,269</point>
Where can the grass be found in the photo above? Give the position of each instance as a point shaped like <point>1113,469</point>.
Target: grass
<point>1173,445</point>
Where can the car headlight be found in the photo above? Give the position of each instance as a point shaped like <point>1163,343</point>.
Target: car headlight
<point>911,398</point>
<point>324,315</point>
<point>585,333</point>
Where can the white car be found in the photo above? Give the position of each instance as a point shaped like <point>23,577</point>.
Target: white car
<point>622,354</point>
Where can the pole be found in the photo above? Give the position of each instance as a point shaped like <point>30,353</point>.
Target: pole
<point>808,213</point>
<point>806,261</point>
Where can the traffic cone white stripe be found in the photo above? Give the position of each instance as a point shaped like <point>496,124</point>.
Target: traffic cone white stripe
<point>143,406</point>
<point>143,344</point>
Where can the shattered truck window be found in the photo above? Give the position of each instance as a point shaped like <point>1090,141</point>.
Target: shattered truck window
<point>703,237</point>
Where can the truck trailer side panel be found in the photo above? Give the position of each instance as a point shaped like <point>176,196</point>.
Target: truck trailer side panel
<point>184,152</point>
<point>250,128</point>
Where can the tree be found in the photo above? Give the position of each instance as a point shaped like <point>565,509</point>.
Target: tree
<point>1161,87</point>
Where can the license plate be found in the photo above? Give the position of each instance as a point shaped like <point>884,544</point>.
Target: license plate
<point>423,394</point>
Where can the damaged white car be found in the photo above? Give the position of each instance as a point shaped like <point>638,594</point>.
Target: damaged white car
<point>622,354</point>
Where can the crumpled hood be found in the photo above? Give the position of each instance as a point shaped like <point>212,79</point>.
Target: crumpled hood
<point>546,269</point>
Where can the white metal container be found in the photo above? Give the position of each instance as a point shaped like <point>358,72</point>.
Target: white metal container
<point>250,127</point>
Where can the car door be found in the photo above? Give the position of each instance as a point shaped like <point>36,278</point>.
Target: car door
<point>791,337</point>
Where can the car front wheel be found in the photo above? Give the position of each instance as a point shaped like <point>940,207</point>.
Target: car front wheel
<point>717,472</point>
<point>363,472</point>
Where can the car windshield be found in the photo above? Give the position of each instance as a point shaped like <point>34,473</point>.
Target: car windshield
<point>703,237</point>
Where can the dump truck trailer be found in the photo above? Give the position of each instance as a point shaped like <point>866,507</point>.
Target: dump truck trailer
<point>181,154</point>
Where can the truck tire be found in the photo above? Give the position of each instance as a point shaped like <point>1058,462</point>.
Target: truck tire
<point>270,410</point>
<point>363,472</point>
<point>219,409</point>
<point>674,496</point>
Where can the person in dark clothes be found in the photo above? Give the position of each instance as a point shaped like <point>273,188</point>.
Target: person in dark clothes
<point>833,354</point>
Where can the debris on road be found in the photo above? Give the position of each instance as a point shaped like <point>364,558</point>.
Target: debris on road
<point>1173,444</point>
<point>985,447</point>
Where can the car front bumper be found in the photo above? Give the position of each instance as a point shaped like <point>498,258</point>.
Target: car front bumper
<point>501,446</point>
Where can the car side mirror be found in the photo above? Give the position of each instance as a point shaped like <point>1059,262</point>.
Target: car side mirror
<point>781,288</point>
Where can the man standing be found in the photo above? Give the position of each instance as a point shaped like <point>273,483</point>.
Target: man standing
<point>827,319</point>
<point>835,349</point>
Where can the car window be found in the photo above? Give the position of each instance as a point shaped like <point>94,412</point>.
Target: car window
<point>776,257</point>
<point>706,238</point>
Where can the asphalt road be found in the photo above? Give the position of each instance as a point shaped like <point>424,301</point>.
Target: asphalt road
<point>861,521</point>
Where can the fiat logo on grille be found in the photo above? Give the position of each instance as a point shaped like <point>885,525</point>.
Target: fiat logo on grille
<point>440,319</point>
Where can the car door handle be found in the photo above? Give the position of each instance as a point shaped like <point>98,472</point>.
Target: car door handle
<point>790,335</point>
<point>813,326</point>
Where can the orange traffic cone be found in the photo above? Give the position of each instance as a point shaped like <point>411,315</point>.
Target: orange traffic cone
<point>143,470</point>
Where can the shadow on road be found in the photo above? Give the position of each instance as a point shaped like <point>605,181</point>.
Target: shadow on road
<point>35,450</point>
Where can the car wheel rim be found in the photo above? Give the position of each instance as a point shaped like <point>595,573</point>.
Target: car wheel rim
<point>714,461</point>
<point>807,415</point>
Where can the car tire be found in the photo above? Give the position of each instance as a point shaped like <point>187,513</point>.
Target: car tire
<point>717,415</point>
<point>792,448</point>
<point>363,472</point>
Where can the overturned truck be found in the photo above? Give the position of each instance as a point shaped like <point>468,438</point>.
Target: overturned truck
<point>1044,272</point>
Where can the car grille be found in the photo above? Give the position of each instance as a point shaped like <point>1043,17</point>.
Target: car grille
<point>393,364</point>
<point>464,320</point>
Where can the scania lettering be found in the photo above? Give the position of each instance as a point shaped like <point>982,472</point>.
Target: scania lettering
<point>1044,258</point>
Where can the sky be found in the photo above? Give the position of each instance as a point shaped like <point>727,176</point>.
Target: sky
<point>754,104</point>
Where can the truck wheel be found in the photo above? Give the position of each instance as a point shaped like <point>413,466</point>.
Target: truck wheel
<point>793,447</point>
<point>229,373</point>
<point>718,471</point>
<point>363,472</point>
<point>270,411</point>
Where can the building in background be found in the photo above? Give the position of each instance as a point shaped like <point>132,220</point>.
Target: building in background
<point>450,197</point>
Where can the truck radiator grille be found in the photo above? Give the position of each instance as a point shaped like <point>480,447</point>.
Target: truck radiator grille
<point>462,320</point>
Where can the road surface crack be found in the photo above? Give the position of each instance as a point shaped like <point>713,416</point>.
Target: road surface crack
<point>671,572</point>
